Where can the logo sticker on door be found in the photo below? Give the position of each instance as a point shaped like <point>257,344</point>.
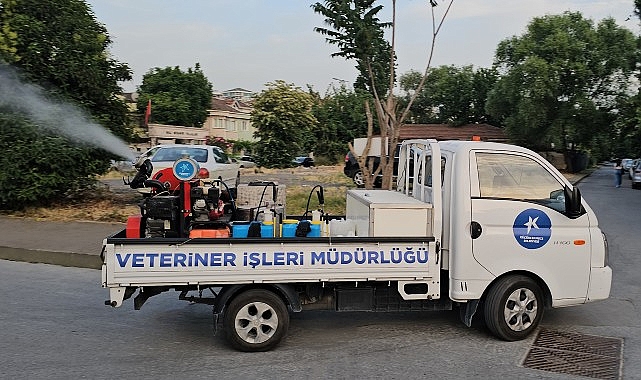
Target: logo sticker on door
<point>532,228</point>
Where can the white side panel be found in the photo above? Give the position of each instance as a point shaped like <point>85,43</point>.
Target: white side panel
<point>198,264</point>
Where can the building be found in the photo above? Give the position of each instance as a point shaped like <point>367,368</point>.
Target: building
<point>239,94</point>
<point>229,119</point>
<point>175,134</point>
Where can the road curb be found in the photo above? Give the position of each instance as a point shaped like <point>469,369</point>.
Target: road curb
<point>66,259</point>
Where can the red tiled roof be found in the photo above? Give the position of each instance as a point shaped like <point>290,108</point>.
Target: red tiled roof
<point>445,132</point>
<point>222,105</point>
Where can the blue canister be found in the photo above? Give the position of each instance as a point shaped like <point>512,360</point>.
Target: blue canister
<point>239,229</point>
<point>267,230</point>
<point>289,227</point>
<point>316,229</point>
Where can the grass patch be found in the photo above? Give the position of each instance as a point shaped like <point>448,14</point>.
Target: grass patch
<point>335,199</point>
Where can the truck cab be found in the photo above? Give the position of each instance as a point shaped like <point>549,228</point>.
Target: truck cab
<point>515,232</point>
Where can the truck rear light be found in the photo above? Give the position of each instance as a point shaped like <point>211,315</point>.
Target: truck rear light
<point>203,173</point>
<point>347,157</point>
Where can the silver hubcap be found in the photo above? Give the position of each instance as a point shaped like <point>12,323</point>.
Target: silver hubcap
<point>520,309</point>
<point>256,322</point>
<point>358,179</point>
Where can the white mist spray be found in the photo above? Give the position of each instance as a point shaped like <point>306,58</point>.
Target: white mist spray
<point>58,117</point>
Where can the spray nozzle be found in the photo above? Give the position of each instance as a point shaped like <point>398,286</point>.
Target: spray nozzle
<point>321,196</point>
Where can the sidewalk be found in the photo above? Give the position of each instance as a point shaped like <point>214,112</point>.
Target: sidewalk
<point>75,244</point>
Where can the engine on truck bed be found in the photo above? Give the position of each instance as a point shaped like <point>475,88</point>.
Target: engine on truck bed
<point>176,204</point>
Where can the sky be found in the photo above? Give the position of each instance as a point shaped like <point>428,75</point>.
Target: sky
<point>249,43</point>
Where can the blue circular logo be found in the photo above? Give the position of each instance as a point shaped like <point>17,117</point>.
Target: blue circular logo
<point>532,228</point>
<point>185,169</point>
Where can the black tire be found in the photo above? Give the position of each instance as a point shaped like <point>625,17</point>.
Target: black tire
<point>256,320</point>
<point>358,179</point>
<point>513,307</point>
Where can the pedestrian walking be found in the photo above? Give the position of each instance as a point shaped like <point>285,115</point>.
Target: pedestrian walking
<point>618,172</point>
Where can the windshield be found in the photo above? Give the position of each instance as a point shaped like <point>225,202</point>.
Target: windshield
<point>174,153</point>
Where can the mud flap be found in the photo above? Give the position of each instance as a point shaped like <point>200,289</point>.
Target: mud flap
<point>467,312</point>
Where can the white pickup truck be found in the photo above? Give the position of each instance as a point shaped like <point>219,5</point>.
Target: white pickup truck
<point>471,224</point>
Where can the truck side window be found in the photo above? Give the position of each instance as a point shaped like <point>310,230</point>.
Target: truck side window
<point>428,172</point>
<point>509,176</point>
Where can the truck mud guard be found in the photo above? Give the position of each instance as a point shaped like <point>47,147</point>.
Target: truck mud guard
<point>467,312</point>
<point>228,292</point>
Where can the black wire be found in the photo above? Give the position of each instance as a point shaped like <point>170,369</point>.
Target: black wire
<point>231,197</point>
<point>260,202</point>
<point>309,199</point>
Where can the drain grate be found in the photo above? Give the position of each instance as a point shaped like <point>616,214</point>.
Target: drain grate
<point>576,354</point>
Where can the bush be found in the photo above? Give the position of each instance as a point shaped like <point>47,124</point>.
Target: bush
<point>38,168</point>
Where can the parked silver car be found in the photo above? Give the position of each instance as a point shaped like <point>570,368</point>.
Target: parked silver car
<point>635,174</point>
<point>246,161</point>
<point>630,168</point>
<point>213,162</point>
<point>626,163</point>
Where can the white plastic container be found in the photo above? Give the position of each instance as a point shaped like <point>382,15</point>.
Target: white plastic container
<point>342,227</point>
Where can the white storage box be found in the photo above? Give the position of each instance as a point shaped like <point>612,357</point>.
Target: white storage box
<point>388,213</point>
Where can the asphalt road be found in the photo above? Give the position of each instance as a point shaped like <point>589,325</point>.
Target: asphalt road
<point>55,326</point>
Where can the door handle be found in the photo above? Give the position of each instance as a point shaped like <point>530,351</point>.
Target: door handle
<point>475,230</point>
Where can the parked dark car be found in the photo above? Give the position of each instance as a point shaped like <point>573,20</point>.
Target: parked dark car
<point>303,161</point>
<point>353,170</point>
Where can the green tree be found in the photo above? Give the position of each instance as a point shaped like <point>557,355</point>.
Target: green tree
<point>61,47</point>
<point>626,138</point>
<point>177,97</point>
<point>39,167</point>
<point>282,116</point>
<point>453,95</point>
<point>341,118</point>
<point>359,34</point>
<point>358,38</point>
<point>562,81</point>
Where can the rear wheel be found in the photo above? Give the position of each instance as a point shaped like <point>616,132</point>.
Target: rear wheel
<point>513,307</point>
<point>256,320</point>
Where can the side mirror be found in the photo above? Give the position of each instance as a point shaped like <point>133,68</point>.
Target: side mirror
<point>558,195</point>
<point>573,208</point>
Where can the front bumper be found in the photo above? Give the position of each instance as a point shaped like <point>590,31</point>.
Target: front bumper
<point>600,284</point>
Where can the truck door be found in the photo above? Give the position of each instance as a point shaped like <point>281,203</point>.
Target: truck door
<point>518,222</point>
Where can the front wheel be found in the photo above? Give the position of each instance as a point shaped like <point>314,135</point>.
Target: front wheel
<point>256,320</point>
<point>513,307</point>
